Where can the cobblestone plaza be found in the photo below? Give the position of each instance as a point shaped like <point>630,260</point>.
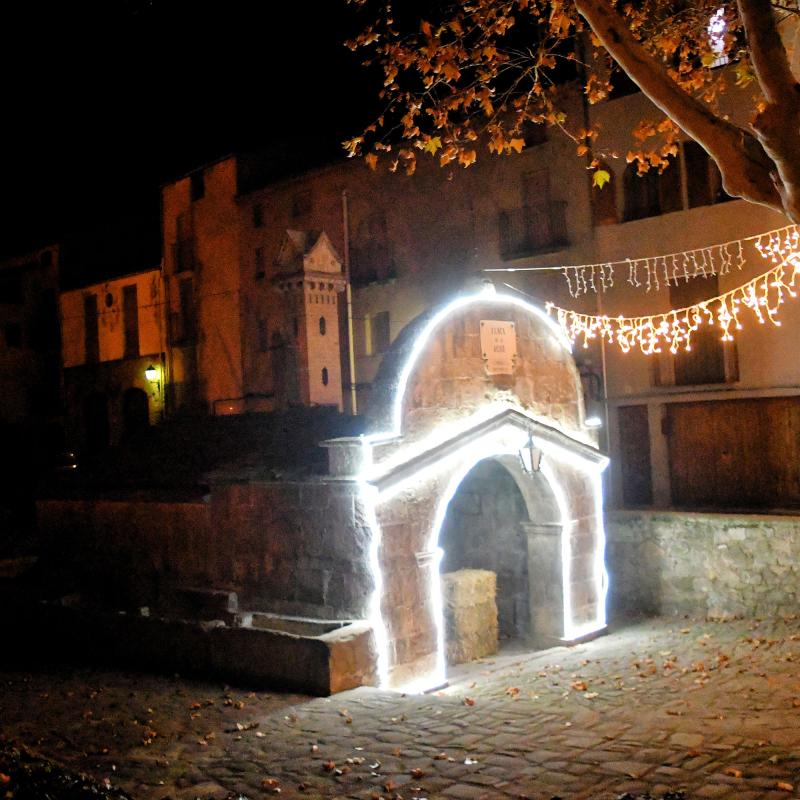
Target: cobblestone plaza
<point>710,708</point>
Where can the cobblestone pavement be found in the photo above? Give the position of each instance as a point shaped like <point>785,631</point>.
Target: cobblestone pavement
<point>712,708</point>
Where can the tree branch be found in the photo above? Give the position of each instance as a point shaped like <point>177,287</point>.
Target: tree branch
<point>767,53</point>
<point>778,125</point>
<point>743,163</point>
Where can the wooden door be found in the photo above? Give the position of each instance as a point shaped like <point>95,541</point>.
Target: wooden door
<point>634,451</point>
<point>735,454</point>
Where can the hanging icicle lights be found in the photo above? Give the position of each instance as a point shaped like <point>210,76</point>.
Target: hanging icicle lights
<point>673,329</point>
<point>653,272</point>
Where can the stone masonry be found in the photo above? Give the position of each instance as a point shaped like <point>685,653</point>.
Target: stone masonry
<point>719,565</point>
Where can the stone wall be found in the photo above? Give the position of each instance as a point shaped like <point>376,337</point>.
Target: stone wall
<point>703,564</point>
<point>292,548</point>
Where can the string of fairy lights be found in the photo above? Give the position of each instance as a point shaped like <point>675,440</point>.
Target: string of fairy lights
<point>762,296</point>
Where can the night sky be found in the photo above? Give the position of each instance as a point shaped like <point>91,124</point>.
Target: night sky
<point>104,101</point>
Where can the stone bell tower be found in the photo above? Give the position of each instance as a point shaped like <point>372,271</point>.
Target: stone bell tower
<point>309,281</point>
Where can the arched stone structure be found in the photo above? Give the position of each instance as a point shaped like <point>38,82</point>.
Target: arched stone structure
<point>440,407</point>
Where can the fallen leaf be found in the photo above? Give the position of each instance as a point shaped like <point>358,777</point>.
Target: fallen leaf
<point>733,772</point>
<point>469,701</point>
<point>784,787</point>
<point>329,766</point>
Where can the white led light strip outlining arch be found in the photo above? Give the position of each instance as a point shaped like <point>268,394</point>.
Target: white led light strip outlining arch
<point>492,431</point>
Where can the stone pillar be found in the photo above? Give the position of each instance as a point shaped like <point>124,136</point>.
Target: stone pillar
<point>545,582</point>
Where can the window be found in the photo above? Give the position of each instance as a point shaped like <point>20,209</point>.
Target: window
<point>91,334</point>
<point>130,315</point>
<point>301,205</point>
<point>324,376</point>
<point>370,256</point>
<point>652,193</point>
<point>621,85</point>
<point>705,362</point>
<point>185,329</point>
<point>13,333</point>
<point>197,185</point>
<point>183,249</point>
<point>703,179</point>
<point>258,215</point>
<point>380,338</point>
<point>322,326</point>
<point>534,133</point>
<point>259,261</point>
<point>604,201</point>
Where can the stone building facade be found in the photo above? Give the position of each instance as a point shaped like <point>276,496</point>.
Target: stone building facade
<point>408,243</point>
<point>113,344</point>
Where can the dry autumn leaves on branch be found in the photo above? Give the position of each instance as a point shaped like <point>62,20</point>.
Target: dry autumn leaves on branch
<point>483,75</point>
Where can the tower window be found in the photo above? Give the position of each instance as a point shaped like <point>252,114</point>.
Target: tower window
<point>324,376</point>
<point>322,326</point>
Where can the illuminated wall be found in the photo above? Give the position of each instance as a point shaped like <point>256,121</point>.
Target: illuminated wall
<point>111,322</point>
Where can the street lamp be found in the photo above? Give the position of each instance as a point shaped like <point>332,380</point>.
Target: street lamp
<point>153,374</point>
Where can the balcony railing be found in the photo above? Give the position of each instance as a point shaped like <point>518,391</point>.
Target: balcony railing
<point>531,230</point>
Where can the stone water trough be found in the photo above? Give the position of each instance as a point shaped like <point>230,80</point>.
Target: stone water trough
<point>256,649</point>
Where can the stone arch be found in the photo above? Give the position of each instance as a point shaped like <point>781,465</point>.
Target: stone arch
<point>528,588</point>
<point>438,410</point>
